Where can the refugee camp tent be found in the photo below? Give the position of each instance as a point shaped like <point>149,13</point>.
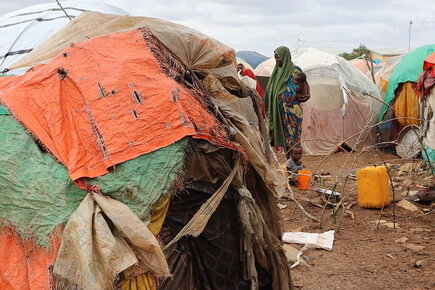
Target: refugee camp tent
<point>383,75</point>
<point>252,57</point>
<point>24,29</point>
<point>131,132</point>
<point>245,64</point>
<point>219,59</point>
<point>265,68</point>
<point>343,106</point>
<point>400,96</point>
<point>366,67</point>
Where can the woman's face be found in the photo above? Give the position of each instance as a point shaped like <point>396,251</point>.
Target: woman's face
<point>278,60</point>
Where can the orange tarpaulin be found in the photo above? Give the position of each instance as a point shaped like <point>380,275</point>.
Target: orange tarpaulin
<point>105,101</point>
<point>24,266</point>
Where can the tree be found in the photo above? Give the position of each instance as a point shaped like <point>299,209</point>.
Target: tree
<point>361,51</point>
<point>357,52</point>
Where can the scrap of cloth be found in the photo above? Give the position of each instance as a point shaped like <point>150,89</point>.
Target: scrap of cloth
<point>103,238</point>
<point>105,101</point>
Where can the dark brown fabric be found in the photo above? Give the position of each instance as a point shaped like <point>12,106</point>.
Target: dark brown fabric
<point>270,256</point>
<point>212,260</point>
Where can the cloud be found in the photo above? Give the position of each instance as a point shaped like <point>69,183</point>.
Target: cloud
<point>263,25</point>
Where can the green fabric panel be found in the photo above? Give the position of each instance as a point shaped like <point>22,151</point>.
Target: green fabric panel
<point>142,181</point>
<point>408,70</point>
<point>37,194</point>
<point>4,111</point>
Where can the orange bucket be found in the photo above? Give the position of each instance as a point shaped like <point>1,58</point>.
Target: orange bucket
<point>304,178</point>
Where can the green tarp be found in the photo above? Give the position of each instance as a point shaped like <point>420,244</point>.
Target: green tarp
<point>37,194</point>
<point>408,70</point>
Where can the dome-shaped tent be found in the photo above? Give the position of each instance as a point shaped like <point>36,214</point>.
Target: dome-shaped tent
<point>104,102</point>
<point>400,95</point>
<point>252,57</point>
<point>343,105</point>
<point>22,30</point>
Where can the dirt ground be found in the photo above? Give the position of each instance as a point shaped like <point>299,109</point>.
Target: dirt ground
<point>363,257</point>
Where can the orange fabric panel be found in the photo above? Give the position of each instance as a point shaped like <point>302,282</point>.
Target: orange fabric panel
<point>429,61</point>
<point>407,105</point>
<point>24,266</point>
<point>104,101</point>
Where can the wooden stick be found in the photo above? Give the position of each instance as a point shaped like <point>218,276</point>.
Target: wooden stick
<point>394,195</point>
<point>58,3</point>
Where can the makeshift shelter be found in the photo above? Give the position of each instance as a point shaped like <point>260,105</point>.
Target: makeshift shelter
<point>401,104</point>
<point>22,30</point>
<point>199,52</point>
<point>133,131</point>
<point>343,106</point>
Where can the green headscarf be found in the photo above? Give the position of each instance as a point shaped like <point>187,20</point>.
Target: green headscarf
<point>276,85</point>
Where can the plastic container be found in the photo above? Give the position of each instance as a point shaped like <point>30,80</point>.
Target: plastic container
<point>373,187</point>
<point>304,179</point>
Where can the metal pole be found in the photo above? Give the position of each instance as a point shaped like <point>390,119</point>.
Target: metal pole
<point>409,35</point>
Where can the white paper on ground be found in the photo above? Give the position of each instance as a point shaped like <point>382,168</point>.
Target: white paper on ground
<point>313,240</point>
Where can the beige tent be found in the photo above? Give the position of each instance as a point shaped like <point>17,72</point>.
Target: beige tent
<point>194,49</point>
<point>343,106</point>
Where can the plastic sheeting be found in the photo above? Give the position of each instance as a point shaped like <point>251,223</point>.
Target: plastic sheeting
<point>194,49</point>
<point>343,106</point>
<point>24,265</point>
<point>246,133</point>
<point>22,30</point>
<point>385,73</point>
<point>95,106</point>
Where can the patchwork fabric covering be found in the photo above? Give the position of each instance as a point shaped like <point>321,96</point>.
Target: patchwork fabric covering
<point>134,129</point>
<point>92,115</point>
<point>195,50</point>
<point>37,195</point>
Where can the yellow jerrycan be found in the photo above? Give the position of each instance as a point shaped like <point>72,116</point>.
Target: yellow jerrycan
<point>373,187</point>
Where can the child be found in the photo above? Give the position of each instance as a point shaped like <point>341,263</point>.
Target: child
<point>294,164</point>
<point>299,87</point>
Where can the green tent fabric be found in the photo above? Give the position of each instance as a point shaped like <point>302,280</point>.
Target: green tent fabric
<point>37,194</point>
<point>4,111</point>
<point>408,70</point>
<point>428,154</point>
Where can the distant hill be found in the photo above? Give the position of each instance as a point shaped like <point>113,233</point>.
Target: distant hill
<point>252,57</point>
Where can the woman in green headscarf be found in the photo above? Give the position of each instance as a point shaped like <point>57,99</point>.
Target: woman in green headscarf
<point>286,90</point>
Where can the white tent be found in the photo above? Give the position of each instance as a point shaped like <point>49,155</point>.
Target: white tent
<point>24,29</point>
<point>344,103</point>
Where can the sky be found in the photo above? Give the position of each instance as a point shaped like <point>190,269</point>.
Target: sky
<point>263,25</point>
